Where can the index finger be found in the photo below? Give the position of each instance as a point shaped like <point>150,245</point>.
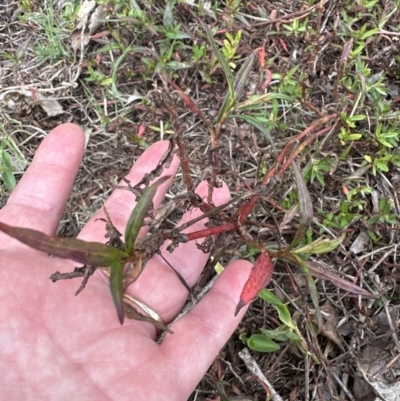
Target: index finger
<point>39,198</point>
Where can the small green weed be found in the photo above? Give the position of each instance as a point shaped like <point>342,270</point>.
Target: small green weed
<point>53,35</point>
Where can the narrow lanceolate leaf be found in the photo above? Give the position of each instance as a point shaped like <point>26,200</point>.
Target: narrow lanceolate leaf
<point>239,84</point>
<point>305,207</point>
<point>283,311</point>
<point>313,291</point>
<point>242,77</point>
<point>222,61</point>
<point>260,276</point>
<point>192,106</point>
<point>318,270</point>
<point>151,316</point>
<point>88,253</point>
<point>190,103</point>
<point>320,245</point>
<point>117,291</point>
<point>139,213</point>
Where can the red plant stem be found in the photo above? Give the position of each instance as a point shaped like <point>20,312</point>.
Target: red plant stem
<point>214,162</point>
<point>184,162</point>
<point>210,231</point>
<point>192,106</point>
<point>289,146</point>
<point>300,148</point>
<point>246,209</point>
<point>274,204</point>
<point>193,197</point>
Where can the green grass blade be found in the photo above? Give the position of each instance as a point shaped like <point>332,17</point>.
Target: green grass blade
<point>115,70</point>
<point>222,112</point>
<point>238,86</point>
<point>223,63</point>
<point>139,213</point>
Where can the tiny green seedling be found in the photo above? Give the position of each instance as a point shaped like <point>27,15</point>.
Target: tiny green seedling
<point>268,340</point>
<point>6,170</point>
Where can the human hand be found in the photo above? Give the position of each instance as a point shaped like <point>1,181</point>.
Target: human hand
<point>54,346</point>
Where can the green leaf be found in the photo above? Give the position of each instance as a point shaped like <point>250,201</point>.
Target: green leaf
<point>374,219</point>
<point>90,253</point>
<point>284,314</point>
<point>168,18</point>
<point>116,287</point>
<point>238,86</point>
<point>223,63</point>
<point>9,179</point>
<point>384,206</point>
<point>225,108</point>
<point>257,102</point>
<point>294,338</point>
<point>278,334</point>
<point>7,160</point>
<point>369,33</point>
<point>321,245</point>
<point>358,117</point>
<point>259,343</point>
<point>139,213</point>
<point>177,65</point>
<point>115,70</point>
<point>172,34</point>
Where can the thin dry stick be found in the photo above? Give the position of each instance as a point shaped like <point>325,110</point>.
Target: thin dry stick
<point>307,378</point>
<point>391,325</point>
<point>341,385</point>
<point>255,370</point>
<point>385,367</point>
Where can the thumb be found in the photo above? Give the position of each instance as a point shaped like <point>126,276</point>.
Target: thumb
<point>199,336</point>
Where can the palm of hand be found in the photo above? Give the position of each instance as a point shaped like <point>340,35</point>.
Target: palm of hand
<point>54,346</point>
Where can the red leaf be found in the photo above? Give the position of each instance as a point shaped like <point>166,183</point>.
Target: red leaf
<point>190,104</point>
<point>141,130</point>
<point>261,56</point>
<point>90,253</point>
<point>260,276</point>
<point>318,270</point>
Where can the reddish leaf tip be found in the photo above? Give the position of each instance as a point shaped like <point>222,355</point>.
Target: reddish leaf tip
<point>120,311</point>
<point>240,305</point>
<point>260,276</point>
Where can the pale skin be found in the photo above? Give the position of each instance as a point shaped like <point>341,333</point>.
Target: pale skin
<point>55,346</point>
